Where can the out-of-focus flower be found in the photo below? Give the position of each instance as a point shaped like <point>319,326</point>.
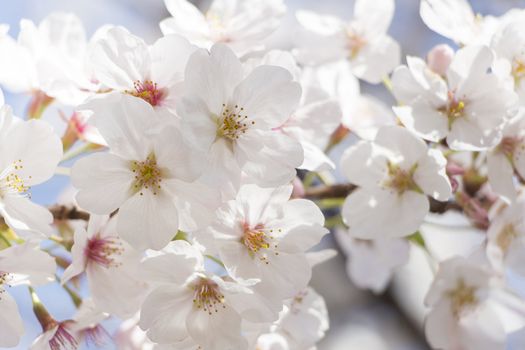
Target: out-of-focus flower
<point>395,174</point>
<point>50,58</point>
<point>462,315</point>
<point>371,263</point>
<point>363,42</point>
<point>241,24</point>
<point>508,158</point>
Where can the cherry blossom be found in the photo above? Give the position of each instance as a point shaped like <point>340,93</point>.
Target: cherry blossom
<point>363,42</point>
<point>395,174</point>
<point>239,24</point>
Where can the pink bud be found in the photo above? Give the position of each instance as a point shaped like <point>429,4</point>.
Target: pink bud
<point>439,58</point>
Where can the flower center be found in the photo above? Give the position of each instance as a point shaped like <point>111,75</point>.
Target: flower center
<point>5,277</point>
<point>354,43</point>
<point>147,175</point>
<point>454,109</point>
<point>506,237</point>
<point>148,91</point>
<point>207,296</point>
<point>258,238</point>
<point>401,180</point>
<point>462,298</point>
<point>11,182</point>
<point>62,339</point>
<point>231,123</point>
<point>104,251</point>
<point>518,70</point>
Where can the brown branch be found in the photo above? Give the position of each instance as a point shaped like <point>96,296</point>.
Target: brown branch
<point>63,212</point>
<point>333,191</point>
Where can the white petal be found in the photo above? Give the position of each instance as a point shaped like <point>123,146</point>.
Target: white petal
<point>362,166</point>
<point>78,256</point>
<point>169,56</point>
<point>431,177</point>
<point>26,217</point>
<point>120,58</point>
<point>376,213</point>
<point>377,59</point>
<point>501,175</point>
<point>403,142</point>
<point>104,182</point>
<point>148,220</point>
<point>268,95</point>
<point>11,324</point>
<point>164,314</point>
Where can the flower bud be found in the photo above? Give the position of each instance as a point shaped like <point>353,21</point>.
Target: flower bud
<point>439,58</point>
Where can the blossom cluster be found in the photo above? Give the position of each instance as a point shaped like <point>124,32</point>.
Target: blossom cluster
<point>199,173</point>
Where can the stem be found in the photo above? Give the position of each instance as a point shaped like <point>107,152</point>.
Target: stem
<point>44,318</point>
<point>75,298</point>
<point>215,260</point>
<point>77,152</point>
<point>4,239</point>
<point>388,83</point>
<point>60,170</point>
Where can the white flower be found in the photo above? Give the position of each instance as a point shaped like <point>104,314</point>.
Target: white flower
<point>110,265</point>
<point>395,174</point>
<point>49,57</point>
<point>507,158</point>
<point>19,265</point>
<point>455,19</point>
<point>58,336</point>
<point>508,44</point>
<point>362,114</point>
<point>316,117</point>
<point>371,263</point>
<point>302,323</point>
<point>189,302</point>
<point>231,117</point>
<point>469,107</point>
<point>147,176</point>
<point>264,235</point>
<point>241,24</point>
<point>462,315</point>
<point>506,243</point>
<point>363,42</point>
<point>30,154</point>
<point>125,63</point>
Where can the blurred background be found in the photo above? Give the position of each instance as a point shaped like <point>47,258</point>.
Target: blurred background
<point>358,319</point>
